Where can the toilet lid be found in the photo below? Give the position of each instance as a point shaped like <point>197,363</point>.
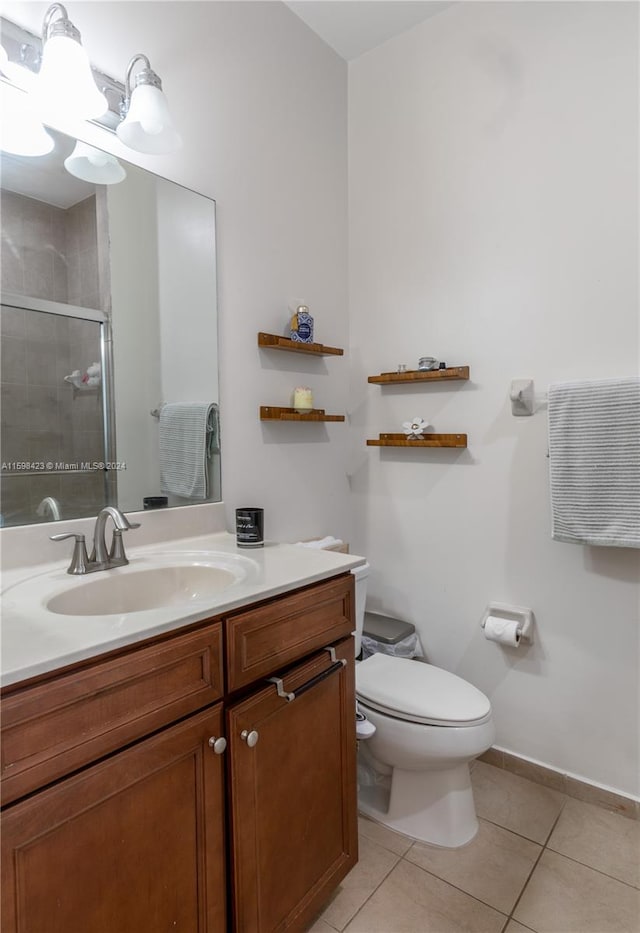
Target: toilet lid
<point>419,692</point>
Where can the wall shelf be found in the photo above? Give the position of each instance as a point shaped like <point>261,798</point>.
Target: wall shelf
<point>272,413</point>
<point>273,342</point>
<point>419,375</point>
<point>428,440</point>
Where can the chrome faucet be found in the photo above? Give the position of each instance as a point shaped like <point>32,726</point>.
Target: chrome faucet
<point>116,556</point>
<point>100,558</point>
<point>50,506</point>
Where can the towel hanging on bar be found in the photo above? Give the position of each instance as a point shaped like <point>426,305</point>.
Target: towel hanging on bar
<point>188,437</point>
<point>594,461</point>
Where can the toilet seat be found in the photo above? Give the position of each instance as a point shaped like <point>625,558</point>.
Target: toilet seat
<point>420,693</point>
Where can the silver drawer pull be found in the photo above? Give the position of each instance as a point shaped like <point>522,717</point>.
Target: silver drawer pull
<point>218,744</point>
<point>279,683</point>
<point>251,738</point>
<point>333,656</point>
<point>336,666</point>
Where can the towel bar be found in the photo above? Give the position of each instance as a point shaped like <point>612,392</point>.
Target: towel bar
<point>155,413</point>
<point>524,401</point>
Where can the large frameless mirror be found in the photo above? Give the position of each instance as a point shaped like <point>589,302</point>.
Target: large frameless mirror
<point>109,340</point>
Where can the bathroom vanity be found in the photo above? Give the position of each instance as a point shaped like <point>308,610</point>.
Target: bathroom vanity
<point>178,783</point>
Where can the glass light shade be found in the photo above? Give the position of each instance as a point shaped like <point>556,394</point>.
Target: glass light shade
<point>65,87</point>
<point>148,126</point>
<point>21,132</point>
<point>93,165</point>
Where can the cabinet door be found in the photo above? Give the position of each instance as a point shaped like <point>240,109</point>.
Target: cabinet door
<point>134,844</point>
<point>293,795</point>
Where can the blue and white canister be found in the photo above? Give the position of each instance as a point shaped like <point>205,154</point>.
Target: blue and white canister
<point>302,325</point>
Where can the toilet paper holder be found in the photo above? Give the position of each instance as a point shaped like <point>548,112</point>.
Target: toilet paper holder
<point>519,614</point>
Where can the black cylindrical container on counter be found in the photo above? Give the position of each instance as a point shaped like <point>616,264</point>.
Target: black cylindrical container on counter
<point>250,527</point>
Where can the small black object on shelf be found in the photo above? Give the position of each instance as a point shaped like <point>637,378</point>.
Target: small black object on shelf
<point>155,502</point>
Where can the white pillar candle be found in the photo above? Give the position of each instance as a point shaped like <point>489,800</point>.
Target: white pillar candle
<point>302,399</point>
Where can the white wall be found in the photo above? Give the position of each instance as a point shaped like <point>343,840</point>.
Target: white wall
<point>261,105</point>
<point>493,222</point>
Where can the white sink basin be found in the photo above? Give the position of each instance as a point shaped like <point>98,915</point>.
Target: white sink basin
<point>172,584</point>
<point>109,593</point>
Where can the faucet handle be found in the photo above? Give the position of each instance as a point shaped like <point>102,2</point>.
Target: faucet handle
<point>79,559</point>
<point>123,523</point>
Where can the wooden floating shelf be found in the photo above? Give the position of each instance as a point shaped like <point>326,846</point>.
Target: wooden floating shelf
<point>421,375</point>
<point>271,413</point>
<point>273,342</point>
<point>427,440</point>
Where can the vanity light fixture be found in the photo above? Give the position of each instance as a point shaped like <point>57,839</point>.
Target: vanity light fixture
<point>147,126</point>
<point>65,86</point>
<point>93,165</point>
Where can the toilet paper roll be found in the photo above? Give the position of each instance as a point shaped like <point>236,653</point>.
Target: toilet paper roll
<point>504,631</point>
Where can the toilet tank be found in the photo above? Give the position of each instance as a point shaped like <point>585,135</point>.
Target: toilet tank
<point>361,575</point>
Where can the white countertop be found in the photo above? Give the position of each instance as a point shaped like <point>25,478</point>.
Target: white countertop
<point>36,641</point>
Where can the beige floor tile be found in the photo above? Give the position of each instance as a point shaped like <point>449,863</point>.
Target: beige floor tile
<point>493,867</point>
<point>321,926</point>
<point>514,927</point>
<point>413,901</point>
<point>514,802</point>
<point>373,866</point>
<point>386,838</point>
<point>566,897</point>
<point>599,839</point>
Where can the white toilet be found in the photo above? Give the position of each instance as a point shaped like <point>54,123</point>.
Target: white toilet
<point>413,772</point>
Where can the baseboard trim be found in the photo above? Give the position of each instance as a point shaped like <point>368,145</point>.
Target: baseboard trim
<point>565,783</point>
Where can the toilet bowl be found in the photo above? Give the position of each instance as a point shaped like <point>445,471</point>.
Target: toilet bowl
<point>413,772</point>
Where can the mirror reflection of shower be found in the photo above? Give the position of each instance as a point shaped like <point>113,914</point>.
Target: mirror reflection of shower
<point>54,432</point>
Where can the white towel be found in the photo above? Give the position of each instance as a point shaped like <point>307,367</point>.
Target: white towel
<point>320,543</point>
<point>188,436</point>
<point>594,461</point>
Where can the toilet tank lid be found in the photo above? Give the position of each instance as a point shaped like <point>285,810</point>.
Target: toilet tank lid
<point>420,692</point>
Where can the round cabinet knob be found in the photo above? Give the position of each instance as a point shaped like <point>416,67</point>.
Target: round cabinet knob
<point>251,738</point>
<point>218,744</point>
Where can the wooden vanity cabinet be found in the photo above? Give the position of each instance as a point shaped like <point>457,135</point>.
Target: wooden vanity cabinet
<point>117,802</point>
<point>134,844</point>
<point>293,794</point>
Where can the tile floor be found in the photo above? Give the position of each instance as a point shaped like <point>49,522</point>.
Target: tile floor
<point>541,861</point>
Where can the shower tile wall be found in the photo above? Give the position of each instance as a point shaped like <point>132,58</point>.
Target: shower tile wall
<point>49,253</point>
<point>43,418</point>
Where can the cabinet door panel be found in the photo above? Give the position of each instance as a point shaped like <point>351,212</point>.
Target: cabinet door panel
<point>134,844</point>
<point>293,797</point>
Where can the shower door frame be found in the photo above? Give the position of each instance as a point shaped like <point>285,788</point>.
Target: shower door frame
<point>43,305</point>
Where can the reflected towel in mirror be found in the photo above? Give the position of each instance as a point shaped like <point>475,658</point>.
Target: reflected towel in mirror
<point>189,435</point>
